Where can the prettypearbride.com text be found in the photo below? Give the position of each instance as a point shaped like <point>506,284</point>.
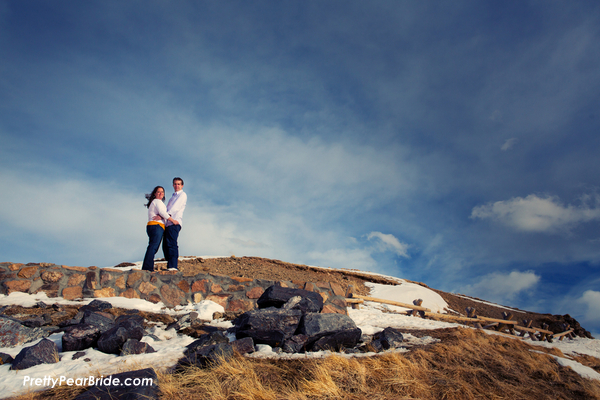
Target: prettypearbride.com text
<point>89,381</point>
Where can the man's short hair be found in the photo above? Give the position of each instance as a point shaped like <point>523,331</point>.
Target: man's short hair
<point>178,179</point>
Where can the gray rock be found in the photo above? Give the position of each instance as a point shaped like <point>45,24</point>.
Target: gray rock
<point>134,346</point>
<point>314,325</point>
<point>244,345</point>
<point>104,321</point>
<point>329,331</point>
<point>34,322</point>
<point>277,296</point>
<point>184,322</point>
<point>206,356</point>
<point>390,338</point>
<point>205,340</point>
<point>6,359</point>
<point>267,326</point>
<point>80,337</point>
<point>96,305</point>
<point>113,339</point>
<point>295,344</point>
<point>13,333</point>
<point>347,338</point>
<point>45,352</point>
<point>143,385</point>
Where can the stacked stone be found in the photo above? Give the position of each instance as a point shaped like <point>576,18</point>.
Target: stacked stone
<point>235,294</point>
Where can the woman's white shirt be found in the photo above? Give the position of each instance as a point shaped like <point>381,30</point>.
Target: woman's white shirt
<point>158,207</point>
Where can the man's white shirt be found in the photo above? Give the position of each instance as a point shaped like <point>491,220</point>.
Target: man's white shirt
<point>176,206</point>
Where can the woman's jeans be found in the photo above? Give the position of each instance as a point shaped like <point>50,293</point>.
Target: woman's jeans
<point>155,234</point>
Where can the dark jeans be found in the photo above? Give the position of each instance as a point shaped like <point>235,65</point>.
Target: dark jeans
<point>155,235</point>
<point>170,247</point>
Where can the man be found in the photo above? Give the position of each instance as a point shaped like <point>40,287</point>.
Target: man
<point>175,209</point>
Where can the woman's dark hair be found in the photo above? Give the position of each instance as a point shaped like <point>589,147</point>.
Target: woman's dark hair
<point>150,197</point>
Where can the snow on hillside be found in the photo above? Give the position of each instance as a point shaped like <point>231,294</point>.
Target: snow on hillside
<point>371,318</point>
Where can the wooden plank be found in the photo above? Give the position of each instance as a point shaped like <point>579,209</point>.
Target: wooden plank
<point>452,318</point>
<point>390,302</point>
<point>502,321</point>
<point>355,301</point>
<point>490,326</point>
<point>560,335</point>
<point>532,330</point>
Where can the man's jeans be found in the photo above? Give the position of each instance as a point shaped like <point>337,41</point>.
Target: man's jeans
<point>170,247</point>
<point>155,235</point>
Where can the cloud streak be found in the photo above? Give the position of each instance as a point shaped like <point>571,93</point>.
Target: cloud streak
<point>502,288</point>
<point>537,214</point>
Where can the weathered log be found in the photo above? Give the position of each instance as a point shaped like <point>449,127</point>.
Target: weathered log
<point>390,302</point>
<point>355,303</point>
<point>562,335</point>
<point>502,321</point>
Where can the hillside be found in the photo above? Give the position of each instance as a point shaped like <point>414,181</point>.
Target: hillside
<point>439,361</point>
<point>262,268</point>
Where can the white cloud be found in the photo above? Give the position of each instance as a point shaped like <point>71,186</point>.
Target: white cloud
<point>387,242</point>
<point>537,214</point>
<point>79,217</point>
<point>508,144</point>
<point>502,288</point>
<point>591,300</point>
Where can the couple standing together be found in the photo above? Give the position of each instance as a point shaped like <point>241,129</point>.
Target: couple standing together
<point>164,223</point>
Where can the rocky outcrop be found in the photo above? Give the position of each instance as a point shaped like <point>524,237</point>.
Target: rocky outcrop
<point>235,294</point>
<point>289,328</point>
<point>294,326</point>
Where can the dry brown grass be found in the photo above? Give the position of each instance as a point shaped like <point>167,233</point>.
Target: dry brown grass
<point>466,364</point>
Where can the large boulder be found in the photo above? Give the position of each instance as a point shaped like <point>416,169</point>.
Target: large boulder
<point>112,340</point>
<point>96,305</point>
<point>207,349</point>
<point>12,333</point>
<point>80,337</point>
<point>85,311</point>
<point>211,355</point>
<point>206,340</point>
<point>277,296</point>
<point>134,346</point>
<point>329,331</point>
<point>45,352</point>
<point>104,321</point>
<point>267,326</point>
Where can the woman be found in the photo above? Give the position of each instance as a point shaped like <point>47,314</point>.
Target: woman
<point>157,217</point>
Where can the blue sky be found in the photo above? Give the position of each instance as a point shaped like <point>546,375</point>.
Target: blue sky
<point>453,143</point>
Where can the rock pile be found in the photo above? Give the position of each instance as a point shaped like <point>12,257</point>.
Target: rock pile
<point>289,320</point>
